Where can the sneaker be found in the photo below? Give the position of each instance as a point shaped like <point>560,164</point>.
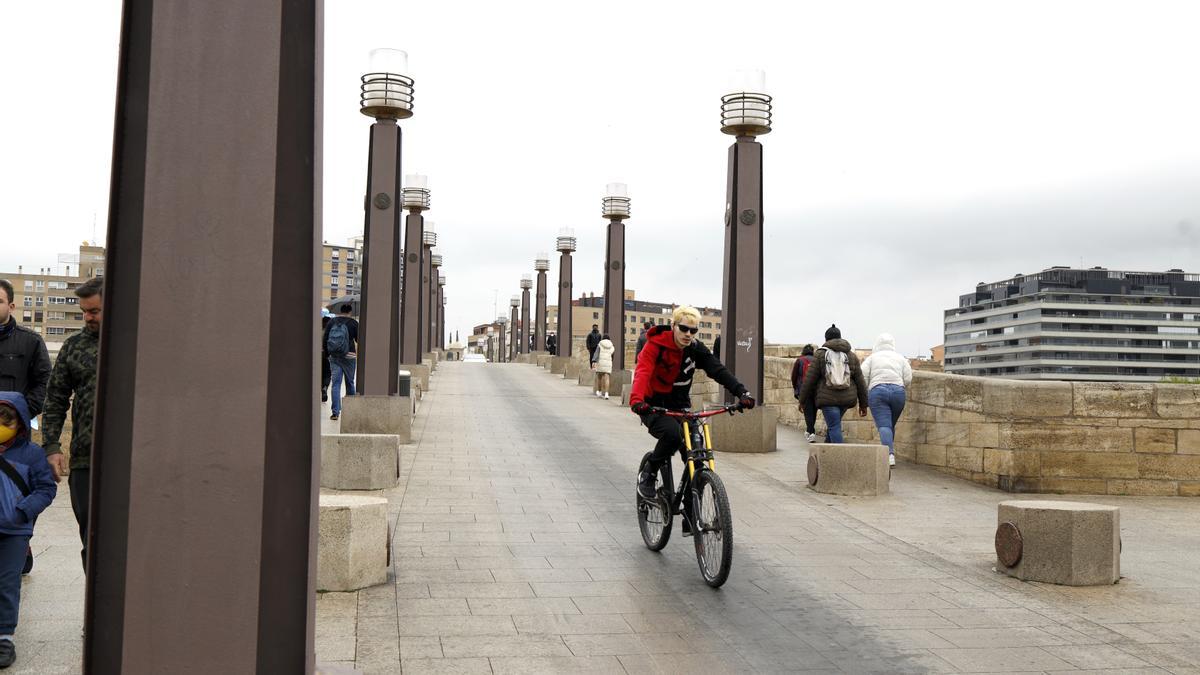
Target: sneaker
<point>8,653</point>
<point>606,396</point>
<point>324,396</point>
<point>645,487</point>
<point>596,393</point>
<point>811,438</point>
<point>891,460</point>
<point>334,416</point>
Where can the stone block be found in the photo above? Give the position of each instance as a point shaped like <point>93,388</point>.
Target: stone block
<point>928,388</point>
<point>360,461</point>
<point>352,542</point>
<point>750,431</point>
<point>1113,399</point>
<point>431,360</point>
<point>1189,488</point>
<point>1017,398</point>
<point>1072,486</point>
<point>1177,400</point>
<point>933,455</point>
<point>1189,442</point>
<point>558,364</point>
<point>615,385</point>
<point>984,435</point>
<point>1151,440</point>
<point>1146,488</point>
<point>778,369</point>
<point>420,374</point>
<point>378,415</point>
<point>963,393</point>
<point>573,368</point>
<point>1090,465</point>
<point>964,458</point>
<point>948,433</point>
<point>1169,467</point>
<point>857,469</point>
<point>1068,543</point>
<point>1071,438</point>
<point>543,360</point>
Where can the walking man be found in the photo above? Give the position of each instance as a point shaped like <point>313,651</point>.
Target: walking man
<point>641,341</point>
<point>24,361</point>
<point>341,343</point>
<point>593,341</point>
<point>73,385</point>
<point>834,383</point>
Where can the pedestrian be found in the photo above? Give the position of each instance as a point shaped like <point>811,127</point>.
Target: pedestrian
<point>641,341</point>
<point>835,383</point>
<point>593,339</point>
<point>24,362</point>
<point>73,385</point>
<point>716,350</point>
<point>341,342</point>
<point>552,344</point>
<point>603,365</point>
<point>325,373</point>
<point>809,407</point>
<point>27,488</point>
<point>888,375</point>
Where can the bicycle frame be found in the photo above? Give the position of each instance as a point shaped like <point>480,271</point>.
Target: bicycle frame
<point>697,450</point>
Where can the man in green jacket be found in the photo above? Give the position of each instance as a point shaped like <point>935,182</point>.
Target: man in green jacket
<point>74,375</point>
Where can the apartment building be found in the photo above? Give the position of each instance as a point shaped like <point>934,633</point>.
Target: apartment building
<point>45,299</point>
<point>1078,324</point>
<point>341,269</point>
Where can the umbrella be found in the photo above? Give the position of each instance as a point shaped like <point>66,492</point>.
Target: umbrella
<point>334,305</point>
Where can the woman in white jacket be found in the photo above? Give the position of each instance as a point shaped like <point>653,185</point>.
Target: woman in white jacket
<point>603,365</point>
<point>887,374</point>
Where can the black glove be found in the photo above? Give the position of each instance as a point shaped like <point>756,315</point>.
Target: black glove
<point>640,408</point>
<point>746,400</point>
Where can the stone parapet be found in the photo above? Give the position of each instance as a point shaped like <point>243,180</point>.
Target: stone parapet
<point>855,469</point>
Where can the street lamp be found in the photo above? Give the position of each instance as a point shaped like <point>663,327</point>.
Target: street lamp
<point>745,114</point>
<point>542,265</point>
<point>501,351</point>
<point>435,265</point>
<point>616,209</point>
<point>386,95</point>
<point>429,239</point>
<point>515,303</point>
<point>416,200</point>
<point>526,284</point>
<point>565,244</point>
<point>441,312</point>
<point>491,332</point>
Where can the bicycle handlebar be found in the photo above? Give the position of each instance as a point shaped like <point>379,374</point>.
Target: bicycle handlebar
<point>687,414</point>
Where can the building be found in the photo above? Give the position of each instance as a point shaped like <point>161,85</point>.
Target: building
<point>341,270</point>
<point>589,309</point>
<point>46,301</point>
<point>1078,324</point>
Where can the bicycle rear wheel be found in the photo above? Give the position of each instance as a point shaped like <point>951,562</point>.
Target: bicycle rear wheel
<point>713,529</point>
<point>654,515</point>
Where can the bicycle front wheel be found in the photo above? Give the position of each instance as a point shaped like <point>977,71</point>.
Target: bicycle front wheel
<point>713,528</point>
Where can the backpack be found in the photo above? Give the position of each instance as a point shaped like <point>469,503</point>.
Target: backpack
<point>805,362</point>
<point>837,369</point>
<point>337,342</point>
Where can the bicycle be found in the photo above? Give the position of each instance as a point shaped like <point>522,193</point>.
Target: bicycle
<point>705,514</point>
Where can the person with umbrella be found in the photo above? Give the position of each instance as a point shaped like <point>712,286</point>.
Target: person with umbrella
<point>340,340</point>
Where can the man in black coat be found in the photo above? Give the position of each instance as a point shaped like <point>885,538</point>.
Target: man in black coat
<point>24,362</point>
<point>593,341</point>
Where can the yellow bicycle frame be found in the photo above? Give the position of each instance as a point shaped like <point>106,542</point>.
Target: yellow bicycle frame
<point>687,441</point>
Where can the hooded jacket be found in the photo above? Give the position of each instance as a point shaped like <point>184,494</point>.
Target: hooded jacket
<point>815,386</point>
<point>24,364</point>
<point>604,356</point>
<point>18,512</point>
<point>885,365</point>
<point>664,377</point>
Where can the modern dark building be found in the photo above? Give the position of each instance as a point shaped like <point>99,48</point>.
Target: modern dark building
<point>1078,324</point>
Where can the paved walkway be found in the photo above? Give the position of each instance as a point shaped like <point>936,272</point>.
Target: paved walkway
<point>516,550</point>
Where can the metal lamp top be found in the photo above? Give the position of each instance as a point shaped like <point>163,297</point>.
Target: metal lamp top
<point>435,259</point>
<point>616,204</point>
<point>416,192</point>
<point>566,240</point>
<point>526,281</point>
<point>441,280</point>
<point>515,301</point>
<point>429,234</point>
<point>386,92</point>
<point>747,110</point>
<point>542,262</point>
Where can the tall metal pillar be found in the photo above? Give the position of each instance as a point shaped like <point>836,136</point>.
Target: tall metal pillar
<point>745,115</point>
<point>526,284</point>
<point>195,542</point>
<point>542,265</point>
<point>435,265</point>
<point>514,347</point>
<point>379,325</point>
<point>616,209</point>
<point>565,245</point>
<point>501,346</point>
<point>416,200</point>
<point>441,307</point>
<point>428,282</point>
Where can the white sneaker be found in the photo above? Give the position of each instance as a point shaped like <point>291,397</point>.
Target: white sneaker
<point>597,394</point>
<point>811,438</point>
<point>891,460</point>
<point>606,396</point>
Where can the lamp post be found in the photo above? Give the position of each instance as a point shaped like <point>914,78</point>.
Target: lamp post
<point>491,333</point>
<point>565,246</point>
<point>616,209</point>
<point>435,265</point>
<point>387,95</point>
<point>542,265</point>
<point>416,200</point>
<point>428,282</point>
<point>526,284</point>
<point>501,351</point>
<point>441,312</point>
<point>745,114</point>
<point>515,334</point>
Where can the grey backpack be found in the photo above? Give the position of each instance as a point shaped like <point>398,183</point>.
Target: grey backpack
<point>837,369</point>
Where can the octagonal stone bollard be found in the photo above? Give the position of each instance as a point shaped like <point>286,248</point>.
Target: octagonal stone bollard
<point>855,469</point>
<point>352,542</point>
<point>360,461</point>
<point>1059,542</point>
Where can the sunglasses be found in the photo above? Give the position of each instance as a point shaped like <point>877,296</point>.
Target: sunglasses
<point>688,329</point>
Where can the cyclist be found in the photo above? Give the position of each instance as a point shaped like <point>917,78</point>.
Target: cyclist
<point>664,379</point>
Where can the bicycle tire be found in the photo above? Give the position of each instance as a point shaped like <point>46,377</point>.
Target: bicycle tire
<point>655,535</point>
<point>713,529</point>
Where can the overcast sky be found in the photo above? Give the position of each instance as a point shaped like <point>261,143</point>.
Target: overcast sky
<point>919,147</point>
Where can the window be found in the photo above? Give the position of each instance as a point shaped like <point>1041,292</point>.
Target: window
<point>29,284</point>
<point>57,285</point>
<point>37,317</point>
<point>56,330</point>
<point>595,315</point>
<point>334,266</point>
<point>336,253</point>
<point>27,316</point>
<point>37,302</point>
<point>72,300</point>
<point>56,300</point>
<point>56,315</point>
<point>29,301</point>
<point>39,284</point>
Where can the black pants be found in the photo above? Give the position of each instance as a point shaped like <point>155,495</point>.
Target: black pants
<point>810,415</point>
<point>326,375</point>
<point>77,480</point>
<point>669,432</point>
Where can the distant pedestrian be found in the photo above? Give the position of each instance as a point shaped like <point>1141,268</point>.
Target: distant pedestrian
<point>593,339</point>
<point>641,341</point>
<point>26,489</point>
<point>835,383</point>
<point>552,344</point>
<point>341,342</point>
<point>24,362</point>
<point>716,350</point>
<point>888,375</point>
<point>73,385</point>
<point>326,375</point>
<point>809,407</point>
<point>604,365</point>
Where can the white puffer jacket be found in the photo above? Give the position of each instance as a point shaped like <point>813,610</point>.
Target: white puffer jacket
<point>604,356</point>
<point>885,365</point>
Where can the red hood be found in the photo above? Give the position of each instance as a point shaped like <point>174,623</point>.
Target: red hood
<point>662,336</point>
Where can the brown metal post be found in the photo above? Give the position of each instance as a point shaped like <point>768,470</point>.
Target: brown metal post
<point>523,347</point>
<point>614,291</point>
<point>516,335</point>
<point>379,325</point>
<point>742,288</point>
<point>565,289</point>
<point>428,281</point>
<point>435,265</point>
<point>539,326</point>
<point>501,351</point>
<point>441,308</point>
<point>201,538</point>
<point>412,344</point>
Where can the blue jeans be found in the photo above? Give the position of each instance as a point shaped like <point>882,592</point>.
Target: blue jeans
<point>341,367</point>
<point>886,402</point>
<point>833,422</point>
<point>12,559</point>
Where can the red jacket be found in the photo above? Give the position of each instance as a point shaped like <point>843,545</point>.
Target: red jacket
<point>664,371</point>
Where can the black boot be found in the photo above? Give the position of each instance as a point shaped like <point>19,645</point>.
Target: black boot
<point>645,487</point>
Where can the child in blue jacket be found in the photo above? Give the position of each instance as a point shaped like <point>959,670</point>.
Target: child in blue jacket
<point>26,488</point>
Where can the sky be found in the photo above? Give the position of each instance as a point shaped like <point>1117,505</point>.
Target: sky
<point>918,148</point>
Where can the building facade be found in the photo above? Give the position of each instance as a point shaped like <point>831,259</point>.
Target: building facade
<point>589,309</point>
<point>341,270</point>
<point>45,300</point>
<point>1078,324</point>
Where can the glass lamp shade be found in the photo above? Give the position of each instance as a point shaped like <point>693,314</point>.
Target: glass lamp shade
<point>435,259</point>
<point>416,191</point>
<point>746,110</point>
<point>491,331</point>
<point>515,301</point>
<point>387,90</point>
<point>441,280</point>
<point>526,281</point>
<point>566,240</point>
<point>616,203</point>
<point>429,235</point>
<point>542,262</point>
